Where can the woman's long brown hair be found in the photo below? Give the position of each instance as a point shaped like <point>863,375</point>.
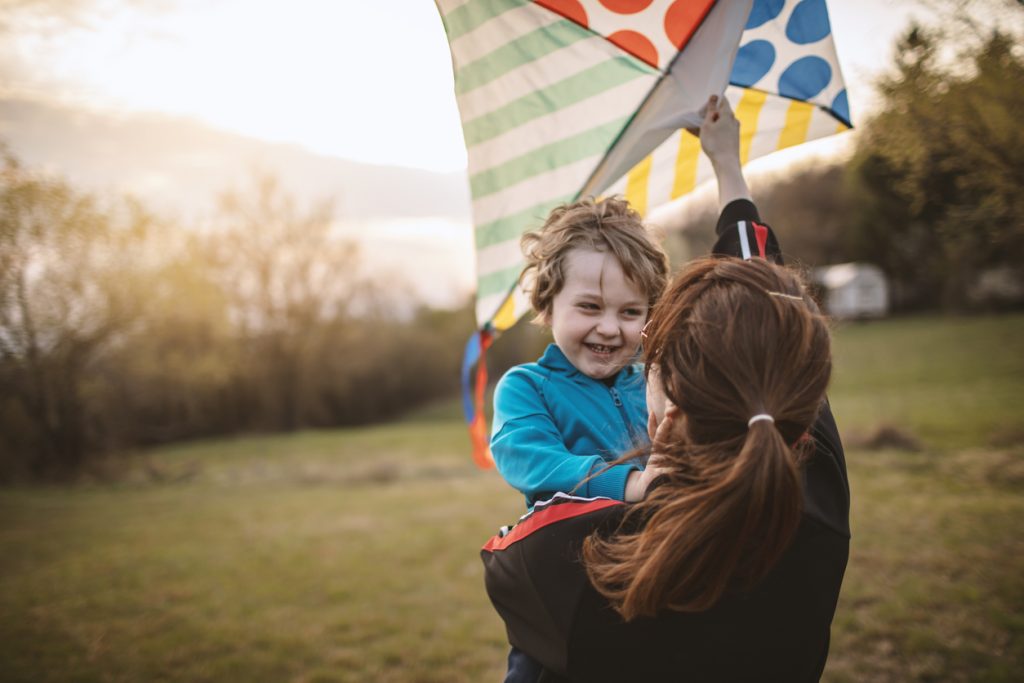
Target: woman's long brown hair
<point>730,339</point>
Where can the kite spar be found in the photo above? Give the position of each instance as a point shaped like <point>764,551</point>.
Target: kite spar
<point>565,98</point>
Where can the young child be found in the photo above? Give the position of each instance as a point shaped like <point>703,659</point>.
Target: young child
<point>593,274</point>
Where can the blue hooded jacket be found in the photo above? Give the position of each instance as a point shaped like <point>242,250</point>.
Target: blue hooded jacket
<point>554,427</point>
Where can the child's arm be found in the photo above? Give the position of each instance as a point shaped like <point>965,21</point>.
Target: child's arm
<point>530,452</point>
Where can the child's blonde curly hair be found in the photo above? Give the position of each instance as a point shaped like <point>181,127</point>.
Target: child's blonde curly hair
<point>606,225</point>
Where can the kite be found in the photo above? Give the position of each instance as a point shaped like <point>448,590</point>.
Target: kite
<point>561,99</point>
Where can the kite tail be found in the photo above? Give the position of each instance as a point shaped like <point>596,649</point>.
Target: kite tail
<point>473,399</point>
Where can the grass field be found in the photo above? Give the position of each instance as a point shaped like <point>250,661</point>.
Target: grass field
<point>352,555</point>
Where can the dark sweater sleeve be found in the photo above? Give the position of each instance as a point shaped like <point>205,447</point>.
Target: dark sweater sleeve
<point>535,579</point>
<point>742,234</point>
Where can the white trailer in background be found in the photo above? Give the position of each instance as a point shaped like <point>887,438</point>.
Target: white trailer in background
<point>853,290</point>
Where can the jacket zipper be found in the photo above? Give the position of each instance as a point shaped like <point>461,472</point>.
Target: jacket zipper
<point>617,400</point>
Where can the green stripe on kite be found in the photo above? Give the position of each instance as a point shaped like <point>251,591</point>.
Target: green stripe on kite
<point>498,281</point>
<point>462,20</point>
<point>512,226</point>
<point>546,158</point>
<point>522,50</point>
<point>576,88</point>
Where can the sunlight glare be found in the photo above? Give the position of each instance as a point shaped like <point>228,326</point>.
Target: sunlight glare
<point>355,80</point>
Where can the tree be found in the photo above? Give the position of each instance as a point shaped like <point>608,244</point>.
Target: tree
<point>67,293</point>
<point>288,281</point>
<point>118,329</point>
<point>936,174</point>
<point>172,378</point>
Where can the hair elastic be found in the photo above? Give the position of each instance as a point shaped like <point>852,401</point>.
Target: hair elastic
<point>783,295</point>
<point>759,417</point>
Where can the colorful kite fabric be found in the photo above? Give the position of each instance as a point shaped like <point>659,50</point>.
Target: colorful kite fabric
<point>785,88</point>
<point>566,98</point>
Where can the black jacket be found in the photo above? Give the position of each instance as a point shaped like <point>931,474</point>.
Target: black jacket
<point>778,631</point>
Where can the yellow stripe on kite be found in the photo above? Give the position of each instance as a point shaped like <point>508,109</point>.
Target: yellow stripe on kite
<point>506,316</point>
<point>636,185</point>
<point>798,122</point>
<point>841,127</point>
<point>686,164</point>
<point>747,112</point>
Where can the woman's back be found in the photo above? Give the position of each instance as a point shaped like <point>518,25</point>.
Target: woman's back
<point>777,631</point>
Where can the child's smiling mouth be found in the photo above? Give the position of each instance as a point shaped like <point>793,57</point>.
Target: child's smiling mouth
<point>601,349</point>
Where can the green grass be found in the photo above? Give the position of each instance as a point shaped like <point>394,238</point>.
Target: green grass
<point>352,555</point>
<point>322,556</point>
<point>954,382</point>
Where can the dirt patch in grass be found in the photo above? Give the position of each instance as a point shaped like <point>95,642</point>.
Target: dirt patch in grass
<point>1007,437</point>
<point>884,437</point>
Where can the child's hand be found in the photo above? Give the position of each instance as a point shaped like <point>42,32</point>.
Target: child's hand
<point>720,131</point>
<point>667,432</point>
<point>637,483</point>
<point>720,139</point>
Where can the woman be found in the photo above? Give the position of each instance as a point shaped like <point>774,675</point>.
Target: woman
<point>730,568</point>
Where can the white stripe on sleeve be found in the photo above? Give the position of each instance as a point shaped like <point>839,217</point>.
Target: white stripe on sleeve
<point>744,244</point>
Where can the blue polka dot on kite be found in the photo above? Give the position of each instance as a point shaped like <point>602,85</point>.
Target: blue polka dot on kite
<point>841,107</point>
<point>808,23</point>
<point>753,61</point>
<point>764,11</point>
<point>805,78</point>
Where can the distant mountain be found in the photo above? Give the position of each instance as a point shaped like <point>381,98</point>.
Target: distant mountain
<point>180,166</point>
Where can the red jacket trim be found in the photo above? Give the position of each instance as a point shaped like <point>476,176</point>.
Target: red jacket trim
<point>761,234</point>
<point>542,517</point>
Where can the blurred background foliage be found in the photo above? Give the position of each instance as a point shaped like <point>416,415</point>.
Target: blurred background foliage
<point>120,329</point>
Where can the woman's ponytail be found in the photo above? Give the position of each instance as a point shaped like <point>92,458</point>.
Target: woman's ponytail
<point>773,498</point>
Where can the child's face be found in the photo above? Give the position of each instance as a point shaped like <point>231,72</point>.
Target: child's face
<point>597,317</point>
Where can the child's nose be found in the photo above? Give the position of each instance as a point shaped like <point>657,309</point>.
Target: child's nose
<point>608,326</point>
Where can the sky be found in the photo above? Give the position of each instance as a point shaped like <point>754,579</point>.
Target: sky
<point>333,79</point>
<point>369,81</point>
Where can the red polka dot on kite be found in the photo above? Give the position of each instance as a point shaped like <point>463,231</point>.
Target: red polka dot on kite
<point>637,45</point>
<point>570,9</point>
<point>682,19</point>
<point>626,6</point>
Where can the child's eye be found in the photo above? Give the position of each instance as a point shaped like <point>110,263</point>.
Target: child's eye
<point>633,312</point>
<point>587,306</point>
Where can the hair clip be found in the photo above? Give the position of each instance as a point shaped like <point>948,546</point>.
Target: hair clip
<point>784,296</point>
